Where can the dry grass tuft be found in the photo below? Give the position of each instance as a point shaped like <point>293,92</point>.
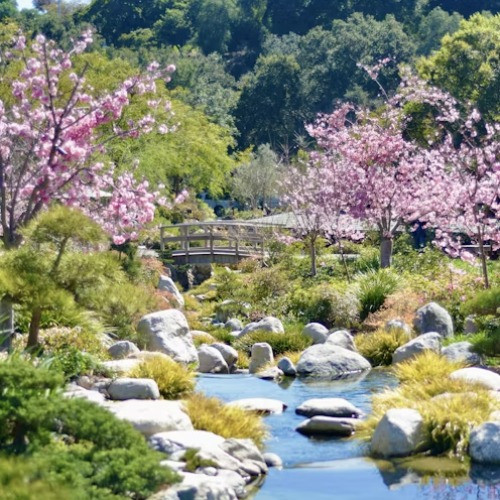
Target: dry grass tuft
<point>211,414</point>
<point>378,347</point>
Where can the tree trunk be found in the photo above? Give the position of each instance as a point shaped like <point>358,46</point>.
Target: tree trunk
<point>6,324</point>
<point>385,251</point>
<point>313,256</point>
<point>36,317</point>
<point>341,248</point>
<point>483,262</point>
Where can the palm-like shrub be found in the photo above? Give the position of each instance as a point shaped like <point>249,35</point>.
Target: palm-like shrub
<point>174,380</point>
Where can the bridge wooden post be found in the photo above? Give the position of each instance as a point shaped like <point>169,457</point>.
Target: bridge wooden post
<point>237,244</point>
<point>186,243</point>
<point>162,235</point>
<point>211,243</point>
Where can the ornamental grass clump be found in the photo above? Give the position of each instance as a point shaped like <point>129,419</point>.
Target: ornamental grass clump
<point>279,342</point>
<point>374,288</point>
<point>174,380</point>
<point>450,408</point>
<point>379,346</point>
<point>212,415</point>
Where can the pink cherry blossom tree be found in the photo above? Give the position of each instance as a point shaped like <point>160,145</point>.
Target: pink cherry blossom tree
<point>54,130</point>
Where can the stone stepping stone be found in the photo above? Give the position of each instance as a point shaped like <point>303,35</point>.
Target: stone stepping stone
<point>328,426</point>
<point>328,407</point>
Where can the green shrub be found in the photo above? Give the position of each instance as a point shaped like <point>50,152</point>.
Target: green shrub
<point>368,260</point>
<point>173,379</point>
<point>212,415</point>
<point>326,304</point>
<point>72,362</point>
<point>267,283</point>
<point>279,342</point>
<point>378,347</point>
<point>484,302</point>
<point>374,288</point>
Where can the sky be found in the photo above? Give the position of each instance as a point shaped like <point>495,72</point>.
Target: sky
<point>24,4</point>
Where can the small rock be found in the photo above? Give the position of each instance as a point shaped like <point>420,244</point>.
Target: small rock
<point>287,367</point>
<point>316,331</point>
<point>328,407</point>
<point>268,324</point>
<point>481,376</point>
<point>75,391</point>
<point>122,349</point>
<point>174,465</point>
<point>166,284</point>
<point>343,339</point>
<point>234,325</point>
<point>470,325</point>
<point>398,325</point>
<point>273,460</point>
<point>399,433</point>
<point>433,318</point>
<point>211,360</point>
<point>133,388</point>
<point>205,335</point>
<point>331,426</point>
<point>484,443</point>
<point>272,373</point>
<point>121,366</point>
<point>230,354</point>
<point>262,354</point>
<point>427,342</point>
<point>246,452</point>
<point>463,352</point>
<point>263,406</point>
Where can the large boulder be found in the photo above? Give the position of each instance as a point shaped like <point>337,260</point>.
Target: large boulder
<point>343,339</point>
<point>463,352</point>
<point>152,417</point>
<point>328,407</point>
<point>122,349</point>
<point>329,426</point>
<point>397,325</point>
<point>168,332</point>
<point>133,388</point>
<point>399,433</point>
<point>316,332</point>
<point>267,324</point>
<point>481,376</point>
<point>484,443</point>
<point>234,325</point>
<point>262,354</point>
<point>211,360</point>
<point>426,342</point>
<point>263,406</point>
<point>246,452</point>
<point>433,318</point>
<point>287,367</point>
<point>331,360</point>
<point>230,354</point>
<point>167,284</point>
<point>173,441</point>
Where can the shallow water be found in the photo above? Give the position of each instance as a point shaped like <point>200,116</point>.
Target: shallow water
<point>318,469</point>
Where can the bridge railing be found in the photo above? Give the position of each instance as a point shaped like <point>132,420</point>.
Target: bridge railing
<point>240,239</point>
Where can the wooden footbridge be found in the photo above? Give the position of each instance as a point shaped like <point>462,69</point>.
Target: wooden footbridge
<point>221,242</point>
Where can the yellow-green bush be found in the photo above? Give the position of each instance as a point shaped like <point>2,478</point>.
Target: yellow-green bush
<point>279,342</point>
<point>377,347</point>
<point>173,379</point>
<point>210,414</point>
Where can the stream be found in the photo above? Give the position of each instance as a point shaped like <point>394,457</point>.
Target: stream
<point>337,468</point>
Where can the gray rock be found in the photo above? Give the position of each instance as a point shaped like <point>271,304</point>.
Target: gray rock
<point>262,354</point>
<point>152,417</point>
<point>234,325</point>
<point>470,325</point>
<point>330,360</point>
<point>331,426</point>
<point>173,464</point>
<point>230,354</point>
<point>287,367</point>
<point>433,318</point>
<point>399,433</point>
<point>268,324</point>
<point>205,335</point>
<point>463,352</point>
<point>343,339</point>
<point>211,360</point>
<point>316,331</point>
<point>133,388</point>
<point>481,376</point>
<point>246,452</point>
<point>75,391</point>
<point>167,284</point>
<point>328,407</point>
<point>264,406</point>
<point>121,366</point>
<point>122,349</point>
<point>172,441</point>
<point>427,342</point>
<point>168,332</point>
<point>397,325</point>
<point>273,460</point>
<point>484,443</point>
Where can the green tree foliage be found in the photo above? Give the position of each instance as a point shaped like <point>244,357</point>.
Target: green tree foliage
<point>269,109</point>
<point>433,27</point>
<point>7,9</point>
<point>467,64</point>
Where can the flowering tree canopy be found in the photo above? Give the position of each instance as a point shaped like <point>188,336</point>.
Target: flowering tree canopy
<point>53,136</point>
